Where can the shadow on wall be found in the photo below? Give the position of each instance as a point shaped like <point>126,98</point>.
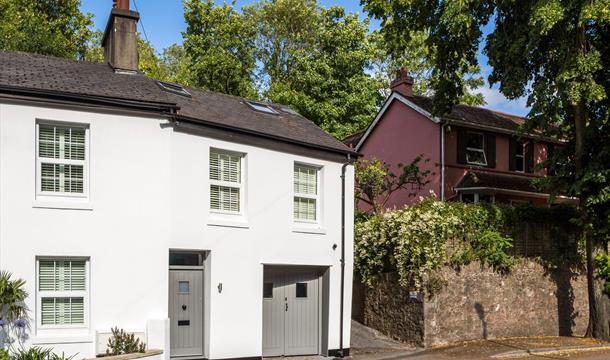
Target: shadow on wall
<point>481,313</point>
<point>566,313</point>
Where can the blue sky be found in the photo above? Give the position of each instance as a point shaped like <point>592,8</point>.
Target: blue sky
<point>163,23</point>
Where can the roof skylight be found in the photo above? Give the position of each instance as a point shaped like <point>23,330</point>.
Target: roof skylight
<point>174,88</point>
<point>264,108</point>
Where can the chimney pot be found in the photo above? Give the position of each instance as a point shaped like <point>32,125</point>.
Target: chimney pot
<point>120,4</point>
<point>403,83</point>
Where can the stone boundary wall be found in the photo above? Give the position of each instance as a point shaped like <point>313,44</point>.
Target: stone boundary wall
<point>479,303</point>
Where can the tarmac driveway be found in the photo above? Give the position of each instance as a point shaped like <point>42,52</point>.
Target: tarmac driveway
<point>369,344</point>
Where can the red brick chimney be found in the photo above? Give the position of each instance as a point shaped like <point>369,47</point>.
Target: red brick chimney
<point>120,41</point>
<point>403,84</point>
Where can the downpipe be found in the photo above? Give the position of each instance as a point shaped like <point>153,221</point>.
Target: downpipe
<point>341,352</point>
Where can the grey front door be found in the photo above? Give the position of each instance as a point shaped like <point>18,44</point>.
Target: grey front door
<point>290,312</point>
<point>186,312</point>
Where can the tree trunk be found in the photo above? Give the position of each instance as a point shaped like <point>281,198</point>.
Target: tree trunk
<point>599,303</point>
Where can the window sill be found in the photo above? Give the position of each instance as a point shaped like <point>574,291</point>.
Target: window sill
<point>229,223</point>
<point>309,230</point>
<point>65,205</point>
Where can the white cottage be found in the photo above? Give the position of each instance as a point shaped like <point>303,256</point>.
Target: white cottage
<point>210,225</point>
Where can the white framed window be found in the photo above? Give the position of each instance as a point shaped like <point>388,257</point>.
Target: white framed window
<point>520,156</point>
<point>62,159</point>
<point>226,181</point>
<point>306,193</point>
<point>475,148</point>
<point>62,292</point>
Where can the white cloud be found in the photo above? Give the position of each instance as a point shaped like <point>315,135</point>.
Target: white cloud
<point>496,101</point>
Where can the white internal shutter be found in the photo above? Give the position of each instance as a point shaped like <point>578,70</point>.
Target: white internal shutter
<point>225,170</point>
<point>305,180</point>
<point>67,277</point>
<point>63,311</point>
<point>306,192</point>
<point>57,143</point>
<point>304,208</point>
<point>225,167</point>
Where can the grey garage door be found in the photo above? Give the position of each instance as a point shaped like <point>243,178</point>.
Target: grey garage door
<point>186,312</point>
<point>291,312</point>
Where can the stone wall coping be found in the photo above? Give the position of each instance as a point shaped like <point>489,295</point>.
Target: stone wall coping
<point>147,353</point>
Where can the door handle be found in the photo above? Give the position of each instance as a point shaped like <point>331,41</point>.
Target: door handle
<point>183,307</point>
<point>286,306</point>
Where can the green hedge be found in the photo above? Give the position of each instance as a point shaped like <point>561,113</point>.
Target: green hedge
<point>420,239</point>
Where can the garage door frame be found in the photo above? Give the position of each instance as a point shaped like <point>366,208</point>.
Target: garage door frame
<point>323,301</point>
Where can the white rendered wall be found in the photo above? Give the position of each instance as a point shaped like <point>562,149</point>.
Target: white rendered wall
<point>125,234</point>
<point>149,193</point>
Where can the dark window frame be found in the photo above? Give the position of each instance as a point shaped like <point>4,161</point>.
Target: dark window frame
<point>480,150</point>
<point>301,290</point>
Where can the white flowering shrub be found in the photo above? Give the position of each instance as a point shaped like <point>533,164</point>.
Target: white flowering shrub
<point>418,240</point>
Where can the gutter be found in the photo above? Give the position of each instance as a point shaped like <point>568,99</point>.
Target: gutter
<point>199,122</point>
<point>89,99</point>
<point>453,121</point>
<point>341,352</point>
<point>515,192</point>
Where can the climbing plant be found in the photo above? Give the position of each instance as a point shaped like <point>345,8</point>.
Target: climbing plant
<point>419,240</point>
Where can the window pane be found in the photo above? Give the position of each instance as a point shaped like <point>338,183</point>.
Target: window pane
<point>185,259</point>
<point>519,148</point>
<point>268,290</point>
<point>183,287</point>
<point>224,198</point>
<point>305,180</point>
<point>476,157</point>
<point>468,198</point>
<point>304,208</point>
<point>301,290</point>
<point>62,275</point>
<point>475,141</point>
<point>61,142</point>
<point>519,163</point>
<point>225,167</point>
<point>62,178</point>
<point>62,311</point>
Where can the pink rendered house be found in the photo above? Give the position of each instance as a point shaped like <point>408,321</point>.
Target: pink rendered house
<point>475,154</point>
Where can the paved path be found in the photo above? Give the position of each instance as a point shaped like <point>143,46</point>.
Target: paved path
<point>506,349</point>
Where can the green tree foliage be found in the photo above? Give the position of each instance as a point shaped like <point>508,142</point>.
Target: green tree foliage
<point>376,182</point>
<point>48,27</point>
<point>415,54</point>
<point>220,44</point>
<point>177,63</point>
<point>558,54</point>
<point>283,28</point>
<point>149,62</point>
<point>318,61</point>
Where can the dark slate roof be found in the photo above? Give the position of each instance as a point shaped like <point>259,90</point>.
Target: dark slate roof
<point>354,139</point>
<point>43,75</point>
<point>478,179</point>
<point>474,115</point>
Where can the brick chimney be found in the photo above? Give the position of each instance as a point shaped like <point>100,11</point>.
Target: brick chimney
<point>403,84</point>
<point>120,41</point>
